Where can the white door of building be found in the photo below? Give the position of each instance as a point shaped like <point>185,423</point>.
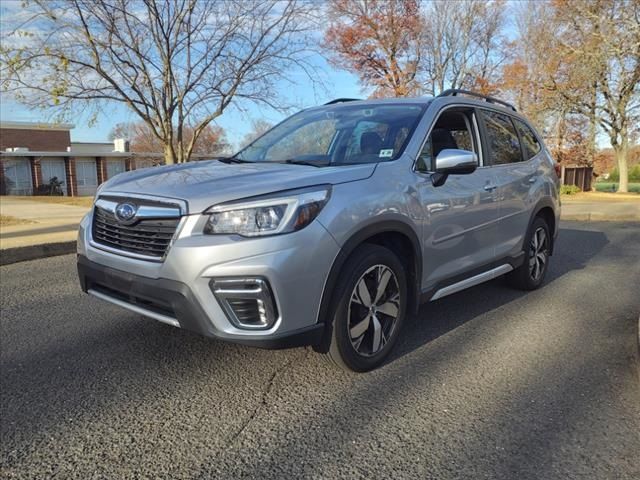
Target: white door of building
<point>17,177</point>
<point>86,176</point>
<point>53,167</point>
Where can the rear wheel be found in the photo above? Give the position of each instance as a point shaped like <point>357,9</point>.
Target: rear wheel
<point>369,308</point>
<point>531,273</point>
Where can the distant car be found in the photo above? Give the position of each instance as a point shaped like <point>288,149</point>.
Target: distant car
<point>332,227</point>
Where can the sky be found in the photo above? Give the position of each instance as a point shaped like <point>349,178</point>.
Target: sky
<point>236,119</point>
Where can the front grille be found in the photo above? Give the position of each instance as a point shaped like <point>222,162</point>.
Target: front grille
<point>150,236</point>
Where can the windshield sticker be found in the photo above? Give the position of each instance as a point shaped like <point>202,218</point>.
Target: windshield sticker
<point>386,153</point>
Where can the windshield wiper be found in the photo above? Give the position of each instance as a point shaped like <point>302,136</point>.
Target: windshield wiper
<point>293,161</point>
<point>232,160</point>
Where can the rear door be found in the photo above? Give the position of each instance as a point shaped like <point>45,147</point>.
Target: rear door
<point>516,174</point>
<point>460,216</point>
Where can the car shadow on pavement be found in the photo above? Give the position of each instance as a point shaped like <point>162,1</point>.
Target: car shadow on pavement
<point>437,318</point>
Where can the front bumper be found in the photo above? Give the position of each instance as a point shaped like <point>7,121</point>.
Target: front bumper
<point>169,300</point>
<point>178,290</point>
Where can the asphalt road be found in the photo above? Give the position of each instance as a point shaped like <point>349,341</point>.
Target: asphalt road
<point>488,383</point>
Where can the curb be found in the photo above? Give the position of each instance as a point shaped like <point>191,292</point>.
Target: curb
<point>33,252</point>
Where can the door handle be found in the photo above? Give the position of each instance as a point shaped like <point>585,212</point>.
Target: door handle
<point>490,188</point>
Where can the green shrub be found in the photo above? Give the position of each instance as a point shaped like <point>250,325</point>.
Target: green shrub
<point>569,190</point>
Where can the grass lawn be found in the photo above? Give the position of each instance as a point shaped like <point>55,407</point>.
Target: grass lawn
<point>610,186</point>
<point>77,201</point>
<point>607,197</point>
<point>8,220</point>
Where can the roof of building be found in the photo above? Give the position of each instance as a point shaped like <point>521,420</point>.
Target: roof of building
<point>35,125</point>
<point>28,153</point>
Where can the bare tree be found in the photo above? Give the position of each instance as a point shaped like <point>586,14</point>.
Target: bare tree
<point>596,67</point>
<point>463,45</point>
<point>525,77</point>
<point>178,64</point>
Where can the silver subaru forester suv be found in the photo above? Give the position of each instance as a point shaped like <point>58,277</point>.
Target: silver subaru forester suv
<point>332,227</point>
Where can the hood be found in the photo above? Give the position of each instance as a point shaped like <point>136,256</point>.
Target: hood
<point>203,184</point>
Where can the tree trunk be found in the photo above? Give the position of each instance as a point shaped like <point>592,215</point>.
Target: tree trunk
<point>621,152</point>
<point>169,155</point>
<point>593,128</point>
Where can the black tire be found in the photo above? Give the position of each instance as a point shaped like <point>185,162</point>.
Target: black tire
<point>364,272</point>
<point>527,276</point>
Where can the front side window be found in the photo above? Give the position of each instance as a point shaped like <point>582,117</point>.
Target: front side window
<point>530,143</point>
<point>452,130</point>
<point>502,139</point>
<point>338,135</point>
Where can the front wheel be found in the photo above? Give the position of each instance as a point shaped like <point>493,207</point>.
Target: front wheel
<point>369,308</point>
<point>537,250</point>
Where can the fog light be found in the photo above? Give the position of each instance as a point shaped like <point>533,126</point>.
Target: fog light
<point>248,302</point>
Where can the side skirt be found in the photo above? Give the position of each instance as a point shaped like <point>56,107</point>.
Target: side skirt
<point>472,281</point>
<point>471,278</point>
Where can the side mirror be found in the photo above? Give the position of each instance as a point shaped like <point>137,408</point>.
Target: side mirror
<point>452,161</point>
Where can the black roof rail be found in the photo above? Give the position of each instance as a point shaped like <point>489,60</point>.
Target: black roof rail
<point>342,100</point>
<point>452,92</point>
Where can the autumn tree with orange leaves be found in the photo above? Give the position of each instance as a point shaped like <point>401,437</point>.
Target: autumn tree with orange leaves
<point>577,73</point>
<point>406,47</point>
<point>378,40</point>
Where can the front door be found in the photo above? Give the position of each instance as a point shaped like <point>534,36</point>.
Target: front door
<point>461,215</point>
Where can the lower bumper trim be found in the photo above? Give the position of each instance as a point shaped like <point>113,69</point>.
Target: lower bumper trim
<point>152,297</point>
<point>134,308</point>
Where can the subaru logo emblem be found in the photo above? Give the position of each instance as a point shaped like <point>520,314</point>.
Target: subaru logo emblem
<point>125,212</point>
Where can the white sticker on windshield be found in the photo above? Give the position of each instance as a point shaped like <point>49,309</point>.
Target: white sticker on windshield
<point>387,152</point>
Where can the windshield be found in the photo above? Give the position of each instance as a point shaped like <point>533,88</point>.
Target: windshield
<point>338,135</point>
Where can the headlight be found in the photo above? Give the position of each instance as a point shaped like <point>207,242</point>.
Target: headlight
<point>282,213</point>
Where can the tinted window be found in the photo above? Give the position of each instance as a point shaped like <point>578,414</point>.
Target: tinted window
<point>502,139</point>
<point>530,143</point>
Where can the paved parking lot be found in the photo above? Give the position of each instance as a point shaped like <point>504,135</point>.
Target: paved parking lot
<point>487,383</point>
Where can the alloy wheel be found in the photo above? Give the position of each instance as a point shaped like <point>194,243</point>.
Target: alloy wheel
<point>538,253</point>
<point>373,310</point>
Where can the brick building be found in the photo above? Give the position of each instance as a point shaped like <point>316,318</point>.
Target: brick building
<point>34,153</point>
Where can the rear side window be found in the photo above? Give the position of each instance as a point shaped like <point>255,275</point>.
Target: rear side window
<point>502,140</point>
<point>530,143</point>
